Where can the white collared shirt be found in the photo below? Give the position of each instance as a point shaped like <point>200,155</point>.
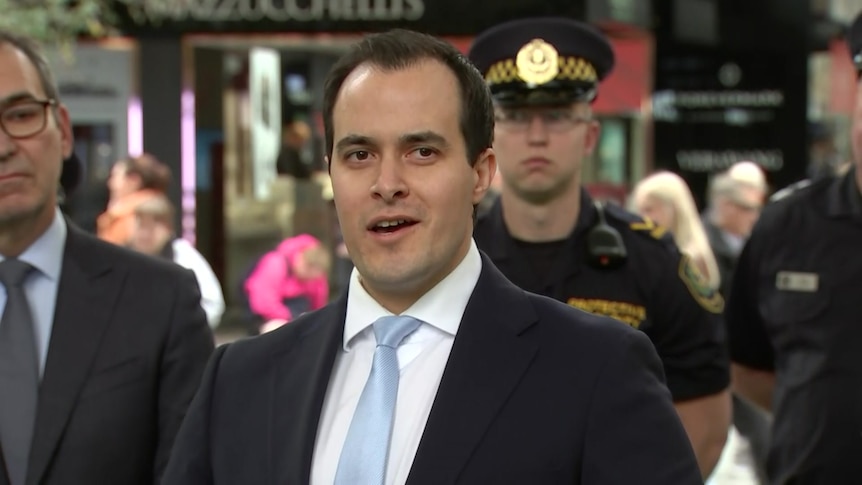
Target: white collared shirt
<point>422,358</point>
<point>46,256</point>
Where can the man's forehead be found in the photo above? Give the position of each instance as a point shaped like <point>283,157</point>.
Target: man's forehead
<point>18,75</point>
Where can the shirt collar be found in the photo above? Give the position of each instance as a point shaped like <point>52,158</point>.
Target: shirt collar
<point>844,199</point>
<point>502,245</point>
<point>46,252</point>
<point>442,307</point>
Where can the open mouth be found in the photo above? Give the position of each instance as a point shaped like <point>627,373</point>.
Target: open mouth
<point>387,227</point>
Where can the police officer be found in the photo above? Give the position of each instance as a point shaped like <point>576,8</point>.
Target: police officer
<point>548,236</point>
<point>794,322</point>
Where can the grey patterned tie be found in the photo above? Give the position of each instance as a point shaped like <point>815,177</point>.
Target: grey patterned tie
<point>19,371</point>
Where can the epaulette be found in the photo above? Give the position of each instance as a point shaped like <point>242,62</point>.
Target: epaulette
<point>638,224</point>
<point>790,190</point>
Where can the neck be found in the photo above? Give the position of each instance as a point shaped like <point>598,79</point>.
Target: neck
<point>541,223</point>
<point>17,235</point>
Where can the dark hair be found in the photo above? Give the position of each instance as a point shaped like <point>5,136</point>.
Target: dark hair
<point>154,174</point>
<point>400,49</point>
<point>34,54</point>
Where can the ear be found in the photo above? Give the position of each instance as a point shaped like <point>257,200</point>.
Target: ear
<point>328,164</point>
<point>64,123</point>
<point>483,173</point>
<point>594,130</point>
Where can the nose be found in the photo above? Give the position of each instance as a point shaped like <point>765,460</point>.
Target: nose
<point>537,131</point>
<point>7,146</point>
<point>390,184</point>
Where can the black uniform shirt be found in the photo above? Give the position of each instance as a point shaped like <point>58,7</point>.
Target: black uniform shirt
<point>655,290</point>
<point>796,309</point>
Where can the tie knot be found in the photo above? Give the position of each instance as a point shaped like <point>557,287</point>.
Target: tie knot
<point>390,331</point>
<point>13,272</point>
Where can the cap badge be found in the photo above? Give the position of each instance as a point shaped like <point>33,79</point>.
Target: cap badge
<point>537,62</point>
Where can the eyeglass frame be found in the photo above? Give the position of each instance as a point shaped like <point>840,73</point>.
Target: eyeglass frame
<point>573,118</point>
<point>46,103</point>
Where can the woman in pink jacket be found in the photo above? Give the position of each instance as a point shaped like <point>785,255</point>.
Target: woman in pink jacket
<point>288,281</point>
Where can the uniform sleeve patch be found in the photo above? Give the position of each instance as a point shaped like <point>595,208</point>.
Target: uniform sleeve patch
<point>698,286</point>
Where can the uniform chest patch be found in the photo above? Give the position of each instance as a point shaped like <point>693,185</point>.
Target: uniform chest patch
<point>627,313</point>
<point>698,286</point>
<point>797,281</point>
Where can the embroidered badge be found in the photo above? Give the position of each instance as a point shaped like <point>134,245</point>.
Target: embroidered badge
<point>698,286</point>
<point>628,313</point>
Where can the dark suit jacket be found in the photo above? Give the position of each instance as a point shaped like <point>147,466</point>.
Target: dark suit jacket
<point>534,392</point>
<point>128,347</point>
<point>725,257</point>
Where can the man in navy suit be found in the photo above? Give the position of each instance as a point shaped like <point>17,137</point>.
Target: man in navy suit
<point>494,384</point>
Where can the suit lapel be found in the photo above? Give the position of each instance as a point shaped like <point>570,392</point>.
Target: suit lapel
<point>488,359</point>
<point>301,376</point>
<point>86,297</point>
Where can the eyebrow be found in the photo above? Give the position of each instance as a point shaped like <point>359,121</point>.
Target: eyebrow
<point>353,140</point>
<point>405,139</point>
<point>423,137</point>
<point>15,97</point>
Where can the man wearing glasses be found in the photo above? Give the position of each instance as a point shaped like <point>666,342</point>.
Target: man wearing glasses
<point>735,199</point>
<point>101,349</point>
<point>548,236</point>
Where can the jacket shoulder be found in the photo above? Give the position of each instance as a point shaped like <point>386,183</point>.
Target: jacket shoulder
<point>796,189</point>
<point>645,231</point>
<point>80,243</point>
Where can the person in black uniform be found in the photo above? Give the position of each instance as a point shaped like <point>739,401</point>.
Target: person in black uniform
<point>794,327</point>
<point>548,236</point>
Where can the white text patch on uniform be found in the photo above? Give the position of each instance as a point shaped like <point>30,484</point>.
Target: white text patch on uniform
<point>796,281</point>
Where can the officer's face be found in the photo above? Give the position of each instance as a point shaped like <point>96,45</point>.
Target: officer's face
<point>540,149</point>
<point>404,189</point>
<point>30,165</point>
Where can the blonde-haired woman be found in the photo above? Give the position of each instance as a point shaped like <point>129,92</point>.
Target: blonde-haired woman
<point>665,198</point>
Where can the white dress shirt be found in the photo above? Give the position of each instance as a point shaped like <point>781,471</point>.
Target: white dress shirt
<point>422,358</point>
<point>212,298</point>
<point>46,256</point>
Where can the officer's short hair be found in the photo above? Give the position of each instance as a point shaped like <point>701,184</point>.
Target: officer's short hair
<point>34,54</point>
<point>400,49</point>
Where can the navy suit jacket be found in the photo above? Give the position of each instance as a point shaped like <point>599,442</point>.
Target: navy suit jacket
<point>534,391</point>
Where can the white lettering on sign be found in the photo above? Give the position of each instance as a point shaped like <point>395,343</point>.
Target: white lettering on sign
<point>716,161</point>
<point>155,11</point>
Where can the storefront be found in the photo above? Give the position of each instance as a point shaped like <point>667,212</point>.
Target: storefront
<point>246,74</point>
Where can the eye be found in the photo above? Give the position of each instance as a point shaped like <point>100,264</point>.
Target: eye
<point>20,113</point>
<point>425,152</point>
<point>556,115</point>
<point>358,155</point>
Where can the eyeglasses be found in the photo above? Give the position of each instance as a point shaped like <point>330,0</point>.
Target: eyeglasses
<point>556,120</point>
<point>27,118</point>
<point>746,206</point>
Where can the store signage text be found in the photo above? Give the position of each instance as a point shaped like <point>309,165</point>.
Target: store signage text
<point>716,161</point>
<point>154,11</point>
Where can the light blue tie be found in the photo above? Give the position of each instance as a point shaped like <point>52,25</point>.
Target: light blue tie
<point>366,449</point>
